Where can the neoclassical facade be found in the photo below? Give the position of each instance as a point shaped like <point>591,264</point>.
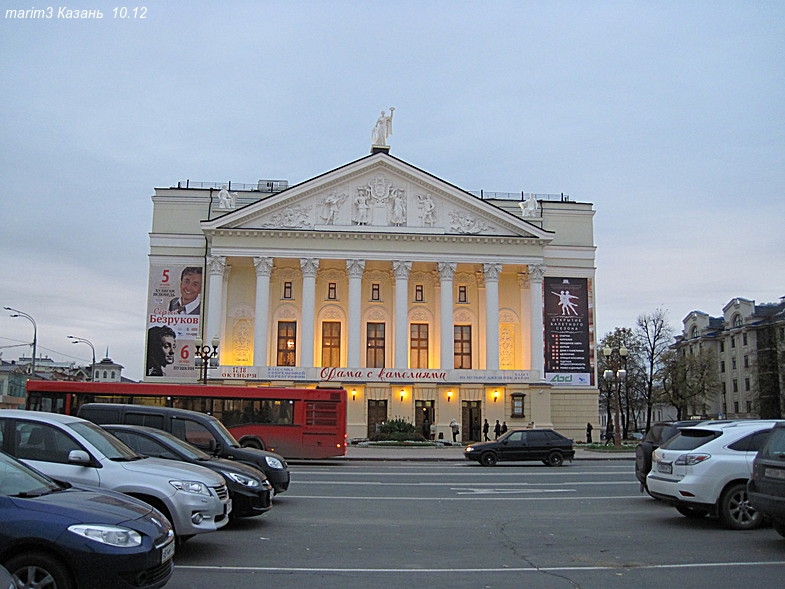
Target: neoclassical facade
<point>421,299</point>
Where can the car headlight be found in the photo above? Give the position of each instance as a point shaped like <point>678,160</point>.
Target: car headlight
<point>273,462</point>
<point>243,480</point>
<point>190,487</point>
<point>112,535</point>
<point>469,449</point>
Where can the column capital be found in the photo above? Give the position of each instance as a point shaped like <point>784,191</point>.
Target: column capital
<point>355,268</point>
<point>264,266</point>
<point>536,272</point>
<point>309,267</point>
<point>447,270</point>
<point>401,269</point>
<point>216,265</point>
<point>491,272</point>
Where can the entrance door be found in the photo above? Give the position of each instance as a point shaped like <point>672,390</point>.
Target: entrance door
<point>471,421</point>
<point>377,413</point>
<point>424,410</point>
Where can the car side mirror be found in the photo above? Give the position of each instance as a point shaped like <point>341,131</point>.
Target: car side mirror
<point>78,457</point>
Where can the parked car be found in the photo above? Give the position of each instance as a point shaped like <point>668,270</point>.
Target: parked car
<point>766,489</point>
<point>660,432</point>
<point>704,470</point>
<point>523,444</point>
<point>57,536</point>
<point>67,448</point>
<point>203,431</point>
<point>249,488</point>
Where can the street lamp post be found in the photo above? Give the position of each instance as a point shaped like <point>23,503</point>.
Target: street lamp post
<point>617,359</point>
<point>206,357</point>
<point>81,340</point>
<point>17,313</point>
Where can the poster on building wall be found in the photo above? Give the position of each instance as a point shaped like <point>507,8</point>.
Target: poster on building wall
<point>567,349</point>
<point>174,313</point>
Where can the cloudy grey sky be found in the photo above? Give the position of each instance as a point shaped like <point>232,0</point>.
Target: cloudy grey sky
<point>668,116</point>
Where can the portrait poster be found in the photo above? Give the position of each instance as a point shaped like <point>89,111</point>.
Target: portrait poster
<point>567,333</point>
<point>174,313</point>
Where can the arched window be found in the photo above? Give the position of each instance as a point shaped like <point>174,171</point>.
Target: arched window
<point>737,322</point>
<point>694,332</point>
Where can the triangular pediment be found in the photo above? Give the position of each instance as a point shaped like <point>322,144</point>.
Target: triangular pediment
<point>378,193</point>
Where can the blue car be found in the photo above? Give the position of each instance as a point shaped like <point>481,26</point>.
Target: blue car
<point>57,536</point>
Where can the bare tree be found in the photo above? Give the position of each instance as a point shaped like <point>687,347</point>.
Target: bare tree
<point>690,381</point>
<point>655,335</point>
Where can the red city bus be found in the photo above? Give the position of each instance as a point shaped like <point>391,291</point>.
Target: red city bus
<point>294,422</point>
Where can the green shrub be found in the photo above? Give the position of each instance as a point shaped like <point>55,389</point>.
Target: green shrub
<point>397,430</point>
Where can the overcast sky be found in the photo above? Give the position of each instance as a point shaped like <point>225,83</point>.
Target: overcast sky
<point>668,116</point>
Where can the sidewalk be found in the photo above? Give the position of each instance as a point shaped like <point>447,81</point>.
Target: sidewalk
<point>446,453</point>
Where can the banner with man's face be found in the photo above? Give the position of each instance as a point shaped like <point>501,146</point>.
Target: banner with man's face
<point>174,309</point>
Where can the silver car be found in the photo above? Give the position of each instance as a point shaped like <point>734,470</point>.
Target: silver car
<point>67,448</point>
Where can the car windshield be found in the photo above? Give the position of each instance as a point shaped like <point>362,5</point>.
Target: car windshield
<point>689,439</point>
<point>104,442</point>
<point>225,435</point>
<point>184,448</point>
<point>17,480</point>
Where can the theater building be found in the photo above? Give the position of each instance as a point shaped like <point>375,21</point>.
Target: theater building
<point>421,299</point>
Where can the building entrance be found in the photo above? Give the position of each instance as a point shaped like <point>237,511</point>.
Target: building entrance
<point>424,410</point>
<point>377,414</point>
<point>471,421</point>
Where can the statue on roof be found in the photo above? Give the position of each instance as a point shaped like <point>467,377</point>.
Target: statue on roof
<point>383,128</point>
<point>530,206</point>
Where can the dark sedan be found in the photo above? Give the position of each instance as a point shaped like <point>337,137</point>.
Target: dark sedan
<point>766,487</point>
<point>249,488</point>
<point>63,537</point>
<point>545,445</point>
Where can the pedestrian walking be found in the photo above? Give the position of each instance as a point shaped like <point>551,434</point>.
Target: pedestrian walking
<point>497,430</point>
<point>588,433</point>
<point>609,434</point>
<point>455,430</point>
<point>486,427</point>
<point>504,427</point>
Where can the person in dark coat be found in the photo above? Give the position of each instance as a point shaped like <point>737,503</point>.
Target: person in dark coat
<point>486,427</point>
<point>497,430</point>
<point>588,433</point>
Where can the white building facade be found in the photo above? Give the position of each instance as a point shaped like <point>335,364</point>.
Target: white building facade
<point>421,299</point>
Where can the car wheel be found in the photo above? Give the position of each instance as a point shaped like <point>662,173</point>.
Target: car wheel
<point>36,569</point>
<point>735,509</point>
<point>692,512</point>
<point>488,459</point>
<point>779,527</point>
<point>252,443</point>
<point>555,459</point>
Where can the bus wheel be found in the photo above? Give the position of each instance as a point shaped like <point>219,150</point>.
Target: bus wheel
<point>252,443</point>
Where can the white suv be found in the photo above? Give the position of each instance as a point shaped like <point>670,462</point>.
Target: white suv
<point>66,448</point>
<point>704,471</point>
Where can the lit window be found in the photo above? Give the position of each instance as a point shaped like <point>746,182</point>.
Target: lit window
<point>462,346</point>
<point>418,345</point>
<point>287,343</point>
<point>331,343</point>
<point>374,355</point>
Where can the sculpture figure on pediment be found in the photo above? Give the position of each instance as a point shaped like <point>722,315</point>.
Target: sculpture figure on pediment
<point>226,199</point>
<point>383,128</point>
<point>530,206</point>
<point>361,207</point>
<point>427,209</point>
<point>330,207</point>
<point>398,214</point>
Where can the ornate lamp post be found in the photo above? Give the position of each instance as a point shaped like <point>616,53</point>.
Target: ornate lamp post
<point>206,357</point>
<point>617,359</point>
<point>17,313</point>
<point>81,340</point>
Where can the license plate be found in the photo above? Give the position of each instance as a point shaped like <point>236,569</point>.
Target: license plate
<point>666,467</point>
<point>167,552</point>
<point>774,473</point>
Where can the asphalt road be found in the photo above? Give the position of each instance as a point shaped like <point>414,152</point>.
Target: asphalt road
<point>459,525</point>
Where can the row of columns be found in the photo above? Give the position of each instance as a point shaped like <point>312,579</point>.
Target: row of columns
<point>401,270</point>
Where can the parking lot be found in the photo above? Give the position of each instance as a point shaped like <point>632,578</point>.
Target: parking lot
<point>456,524</point>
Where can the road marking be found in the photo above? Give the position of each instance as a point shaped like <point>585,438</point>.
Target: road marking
<point>463,491</point>
<point>700,565</point>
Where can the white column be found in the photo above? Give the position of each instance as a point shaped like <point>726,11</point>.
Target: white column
<point>401,271</point>
<point>446,272</point>
<point>309,267</point>
<point>216,267</point>
<point>536,274</point>
<point>264,267</point>
<point>491,274</point>
<point>355,268</point>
